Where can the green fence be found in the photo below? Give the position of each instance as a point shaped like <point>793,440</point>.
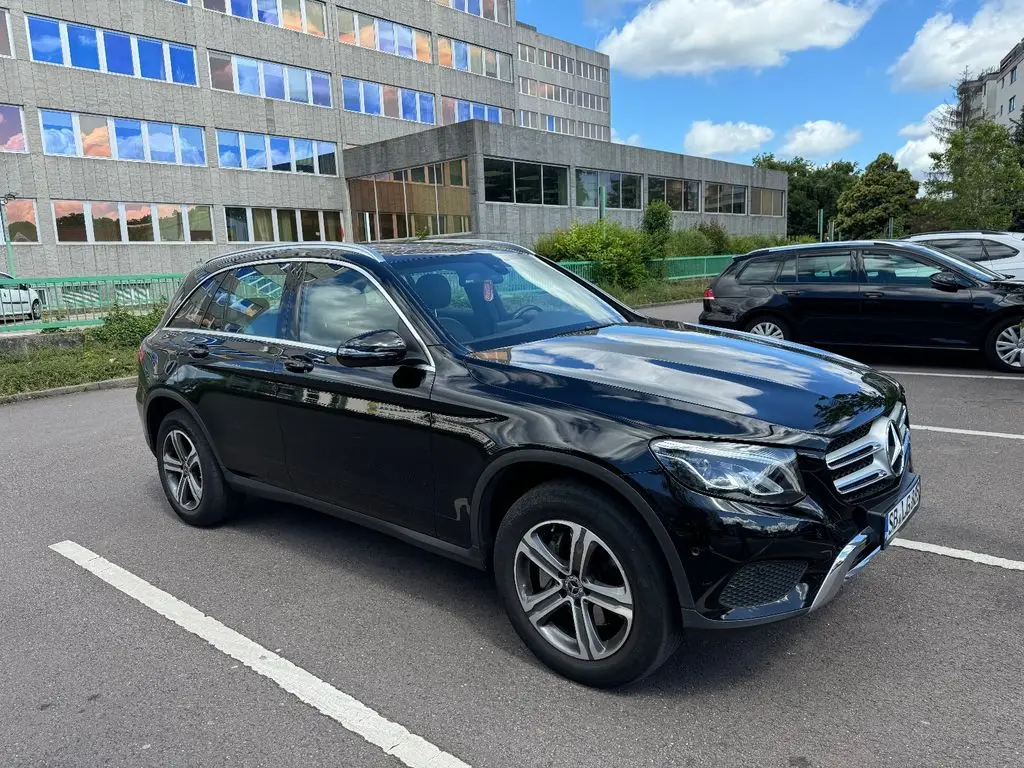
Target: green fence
<point>29,304</point>
<point>32,304</point>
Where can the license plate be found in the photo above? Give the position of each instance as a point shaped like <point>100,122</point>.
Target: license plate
<point>898,515</point>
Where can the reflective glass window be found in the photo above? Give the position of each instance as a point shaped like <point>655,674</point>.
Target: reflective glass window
<point>58,133</point>
<point>229,152</point>
<point>151,59</point>
<point>255,151</point>
<point>273,80</point>
<point>280,153</point>
<point>193,148</point>
<point>106,222</point>
<point>161,143</point>
<point>44,40</point>
<point>83,44</point>
<point>118,50</point>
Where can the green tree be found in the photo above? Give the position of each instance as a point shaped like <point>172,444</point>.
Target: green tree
<point>979,177</point>
<point>1017,137</point>
<point>657,228</point>
<point>882,192</point>
<point>811,187</point>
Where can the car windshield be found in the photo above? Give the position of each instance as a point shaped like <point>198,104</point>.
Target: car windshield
<point>488,299</point>
<point>973,269</point>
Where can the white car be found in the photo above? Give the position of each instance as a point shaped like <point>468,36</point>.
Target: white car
<point>1002,252</point>
<point>17,301</point>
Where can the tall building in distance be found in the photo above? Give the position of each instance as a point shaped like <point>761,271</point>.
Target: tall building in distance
<point>997,94</point>
<point>145,136</point>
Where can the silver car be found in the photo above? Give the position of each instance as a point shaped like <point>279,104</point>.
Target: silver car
<point>1002,252</point>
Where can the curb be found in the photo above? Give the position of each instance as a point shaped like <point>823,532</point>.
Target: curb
<point>92,386</point>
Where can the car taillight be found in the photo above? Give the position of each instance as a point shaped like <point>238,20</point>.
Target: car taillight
<point>709,294</point>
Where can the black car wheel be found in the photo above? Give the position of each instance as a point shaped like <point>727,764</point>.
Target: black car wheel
<point>1005,345</point>
<point>37,309</point>
<point>770,326</point>
<point>584,586</point>
<point>189,473</point>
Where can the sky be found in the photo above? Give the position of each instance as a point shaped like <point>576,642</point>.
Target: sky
<point>823,79</point>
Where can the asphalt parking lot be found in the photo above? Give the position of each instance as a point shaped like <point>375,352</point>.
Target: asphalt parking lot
<point>916,663</point>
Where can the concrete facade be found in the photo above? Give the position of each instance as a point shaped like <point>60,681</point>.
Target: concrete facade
<point>997,95</point>
<point>475,141</point>
<point>44,178</point>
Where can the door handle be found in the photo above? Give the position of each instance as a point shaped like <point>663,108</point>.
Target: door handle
<point>298,364</point>
<point>199,351</point>
<point>874,295</point>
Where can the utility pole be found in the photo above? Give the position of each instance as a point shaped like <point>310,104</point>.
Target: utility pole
<point>602,201</point>
<point>821,225</point>
<point>3,228</point>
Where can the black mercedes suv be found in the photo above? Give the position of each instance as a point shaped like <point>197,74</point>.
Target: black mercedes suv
<point>624,478</point>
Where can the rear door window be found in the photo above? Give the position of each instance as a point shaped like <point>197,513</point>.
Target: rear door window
<point>759,271</point>
<point>831,267</point>
<point>250,301</point>
<point>192,313</point>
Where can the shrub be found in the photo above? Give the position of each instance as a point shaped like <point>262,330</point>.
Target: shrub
<point>124,328</point>
<point>716,235</point>
<point>748,243</point>
<point>657,228</point>
<point>689,242</point>
<point>616,250</point>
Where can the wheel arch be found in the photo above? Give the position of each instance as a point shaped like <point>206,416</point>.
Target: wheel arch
<point>161,402</point>
<point>510,476</point>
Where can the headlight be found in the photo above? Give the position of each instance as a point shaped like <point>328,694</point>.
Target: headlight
<point>751,473</point>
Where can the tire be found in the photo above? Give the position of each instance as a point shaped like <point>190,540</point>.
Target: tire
<point>37,310</point>
<point>764,323</point>
<point>1004,345</point>
<point>178,437</point>
<point>627,648</point>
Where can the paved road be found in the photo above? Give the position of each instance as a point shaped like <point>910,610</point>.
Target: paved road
<point>917,663</point>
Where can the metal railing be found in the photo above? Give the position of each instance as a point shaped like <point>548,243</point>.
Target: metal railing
<point>33,304</point>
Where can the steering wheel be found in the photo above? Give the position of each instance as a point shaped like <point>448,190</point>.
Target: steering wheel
<point>522,310</point>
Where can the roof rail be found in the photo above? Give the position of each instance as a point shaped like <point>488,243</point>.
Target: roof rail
<point>357,248</point>
<point>957,232</point>
<point>482,242</point>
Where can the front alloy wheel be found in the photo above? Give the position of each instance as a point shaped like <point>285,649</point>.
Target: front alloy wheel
<point>1010,346</point>
<point>573,590</point>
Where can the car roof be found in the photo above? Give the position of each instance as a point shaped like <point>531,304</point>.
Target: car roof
<point>961,233</point>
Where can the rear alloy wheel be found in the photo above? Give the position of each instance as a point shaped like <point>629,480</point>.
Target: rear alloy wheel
<point>768,326</point>
<point>37,310</point>
<point>1005,345</point>
<point>585,585</point>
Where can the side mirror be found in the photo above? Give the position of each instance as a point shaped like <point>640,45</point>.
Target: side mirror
<point>948,281</point>
<point>373,348</point>
<point>24,287</point>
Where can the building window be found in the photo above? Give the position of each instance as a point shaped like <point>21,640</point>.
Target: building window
<point>506,181</point>
<point>592,101</point>
<point>1012,105</point>
<point>114,138</point>
<point>387,101</point>
<point>80,221</point>
<point>12,129</point>
<point>75,45</point>
<point>527,53</point>
<point>554,61</point>
<point>622,190</point>
<point>455,54</point>
<point>458,110</point>
<point>549,91</point>
<point>6,44</point>
<point>381,35</point>
<point>679,194</point>
<point>591,72</point>
<point>261,152</point>
<point>563,125</point>
<point>1013,76</point>
<point>495,10</point>
<point>254,77</point>
<point>307,16</point>
<point>593,131</point>
<point>529,119</point>
<point>248,224</point>
<point>766,202</point>
<point>725,198</point>
<point>21,222</point>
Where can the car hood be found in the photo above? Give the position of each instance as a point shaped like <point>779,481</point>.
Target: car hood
<point>687,379</point>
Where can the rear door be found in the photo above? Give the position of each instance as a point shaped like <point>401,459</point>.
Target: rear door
<point>902,308</point>
<point>229,336</point>
<point>823,293</point>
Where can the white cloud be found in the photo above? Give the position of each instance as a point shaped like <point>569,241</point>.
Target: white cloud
<point>924,128</point>
<point>914,155</point>
<point>943,47</point>
<point>680,37</point>
<point>707,138</point>
<point>633,139</point>
<point>818,139</point>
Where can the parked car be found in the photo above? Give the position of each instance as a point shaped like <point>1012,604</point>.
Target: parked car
<point>17,300</point>
<point>1001,252</point>
<point>623,478</point>
<point>872,293</point>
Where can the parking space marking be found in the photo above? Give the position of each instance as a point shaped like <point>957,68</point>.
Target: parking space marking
<point>972,432</point>
<point>954,375</point>
<point>960,554</point>
<point>350,713</point>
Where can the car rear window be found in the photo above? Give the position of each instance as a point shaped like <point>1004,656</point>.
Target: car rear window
<point>998,250</point>
<point>759,271</point>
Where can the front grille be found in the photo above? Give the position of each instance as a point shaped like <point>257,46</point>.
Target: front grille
<point>760,583</point>
<point>870,459</point>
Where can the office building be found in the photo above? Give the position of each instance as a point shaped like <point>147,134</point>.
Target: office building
<point>996,95</point>
<point>144,136</point>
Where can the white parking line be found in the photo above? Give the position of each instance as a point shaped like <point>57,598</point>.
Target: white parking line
<point>973,432</point>
<point>350,713</point>
<point>960,554</point>
<point>954,375</point>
